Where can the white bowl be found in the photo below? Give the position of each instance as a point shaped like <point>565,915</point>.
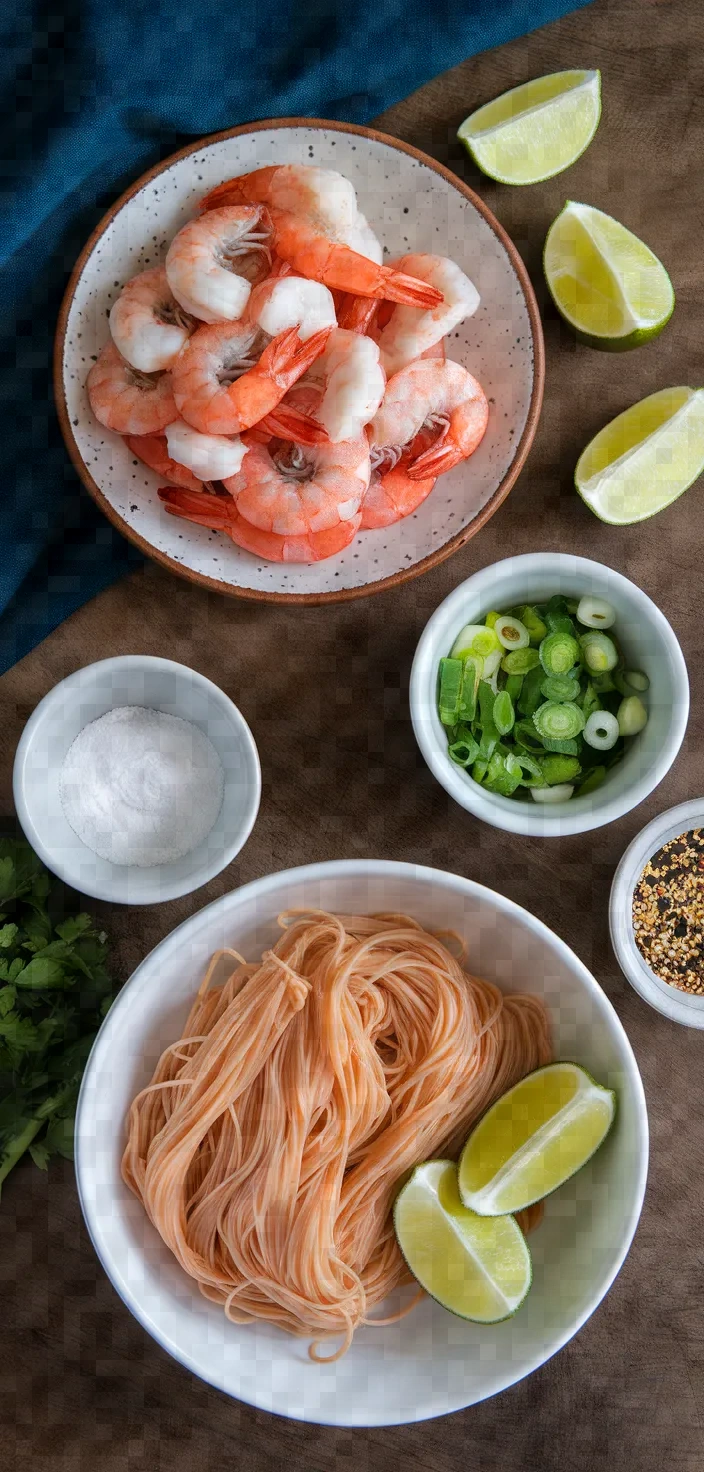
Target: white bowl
<point>432,1362</point>
<point>650,645</point>
<point>678,1006</point>
<point>133,679</point>
<point>414,204</point>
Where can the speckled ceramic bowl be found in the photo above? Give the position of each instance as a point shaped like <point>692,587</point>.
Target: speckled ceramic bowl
<point>414,204</point>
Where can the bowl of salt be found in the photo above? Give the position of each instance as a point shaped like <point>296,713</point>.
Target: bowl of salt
<point>136,780</point>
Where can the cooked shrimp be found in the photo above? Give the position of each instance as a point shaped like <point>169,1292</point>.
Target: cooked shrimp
<point>209,456</point>
<point>294,491</point>
<point>223,385</point>
<point>220,514</point>
<point>410,331</point>
<point>291,301</point>
<point>152,450</point>
<point>352,382</point>
<point>148,326</point>
<point>126,400</point>
<point>358,313</point>
<point>314,229</point>
<point>214,260</point>
<point>392,496</point>
<point>441,397</point>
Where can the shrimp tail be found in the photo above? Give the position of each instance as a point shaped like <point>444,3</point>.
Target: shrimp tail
<point>241,190</point>
<point>287,423</point>
<point>287,358</point>
<point>215,512</point>
<point>436,461</point>
<point>358,313</point>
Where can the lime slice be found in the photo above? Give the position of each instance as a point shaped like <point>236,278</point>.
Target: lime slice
<point>604,281</point>
<point>534,1138</point>
<point>479,1268</point>
<point>645,458</point>
<point>536,130</point>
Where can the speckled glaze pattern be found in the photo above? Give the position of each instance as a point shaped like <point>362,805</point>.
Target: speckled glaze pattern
<point>412,208</point>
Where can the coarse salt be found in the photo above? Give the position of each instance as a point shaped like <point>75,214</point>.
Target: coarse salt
<point>141,787</point>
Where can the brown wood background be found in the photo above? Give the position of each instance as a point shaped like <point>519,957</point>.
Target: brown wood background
<point>325,691</point>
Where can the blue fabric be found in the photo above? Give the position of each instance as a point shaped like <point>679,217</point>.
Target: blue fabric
<point>92,92</point>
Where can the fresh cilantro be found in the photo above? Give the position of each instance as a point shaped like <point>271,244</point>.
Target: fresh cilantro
<point>55,990</point>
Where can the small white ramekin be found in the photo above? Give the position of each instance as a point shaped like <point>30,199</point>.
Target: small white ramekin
<point>650,645</point>
<point>678,1006</point>
<point>133,679</point>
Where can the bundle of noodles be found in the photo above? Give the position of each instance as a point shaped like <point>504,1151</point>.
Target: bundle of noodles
<point>270,1144</point>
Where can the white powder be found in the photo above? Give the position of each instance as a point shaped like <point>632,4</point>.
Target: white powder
<point>141,787</point>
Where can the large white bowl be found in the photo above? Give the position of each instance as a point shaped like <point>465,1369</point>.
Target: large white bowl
<point>414,204</point>
<point>649,643</point>
<point>133,679</point>
<point>432,1362</point>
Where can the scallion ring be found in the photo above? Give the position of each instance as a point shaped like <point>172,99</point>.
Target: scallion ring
<point>561,793</point>
<point>595,613</point>
<point>631,716</point>
<point>558,722</point>
<point>599,653</point>
<point>511,632</point>
<point>559,654</point>
<point>601,731</point>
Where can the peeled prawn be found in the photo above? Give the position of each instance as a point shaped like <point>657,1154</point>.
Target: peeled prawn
<point>314,235</point>
<point>215,259</point>
<point>439,397</point>
<point>291,301</point>
<point>148,326</point>
<point>152,450</point>
<point>126,400</point>
<point>221,385</point>
<point>296,491</point>
<point>208,456</point>
<point>410,332</point>
<point>220,514</point>
<point>352,383</point>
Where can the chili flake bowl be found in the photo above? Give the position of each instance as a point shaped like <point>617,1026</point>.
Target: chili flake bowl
<point>679,1006</point>
<point>414,204</point>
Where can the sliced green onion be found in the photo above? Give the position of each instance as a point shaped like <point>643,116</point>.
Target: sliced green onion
<point>569,747</point>
<point>590,700</point>
<point>531,695</point>
<point>530,767</point>
<point>504,714</point>
<point>599,653</point>
<point>503,775</point>
<point>474,639</point>
<point>572,605</point>
<point>558,722</point>
<point>603,684</point>
<point>492,619</point>
<point>520,661</point>
<point>560,793</point>
<point>559,653</point>
<point>534,623</point>
<point>511,632</point>
<point>596,613</point>
<point>631,682</point>
<point>601,730</point>
<point>592,781</point>
<point>559,623</point>
<point>514,685</point>
<point>492,662</point>
<point>489,734</point>
<point>525,734</point>
<point>632,716</point>
<point>557,769</point>
<point>472,671</point>
<point>479,769</point>
<point>450,690</point>
<point>560,687</point>
<point>465,750</point>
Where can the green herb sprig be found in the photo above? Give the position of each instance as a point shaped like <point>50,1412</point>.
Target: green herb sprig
<point>54,992</point>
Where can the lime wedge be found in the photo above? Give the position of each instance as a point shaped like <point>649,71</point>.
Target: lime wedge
<point>645,458</point>
<point>604,281</point>
<point>479,1268</point>
<point>534,1138</point>
<point>536,130</point>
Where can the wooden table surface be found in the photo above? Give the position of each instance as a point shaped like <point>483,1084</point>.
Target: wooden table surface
<point>325,691</point>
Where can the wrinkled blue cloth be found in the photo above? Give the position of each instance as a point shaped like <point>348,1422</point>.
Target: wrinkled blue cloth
<point>92,92</point>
